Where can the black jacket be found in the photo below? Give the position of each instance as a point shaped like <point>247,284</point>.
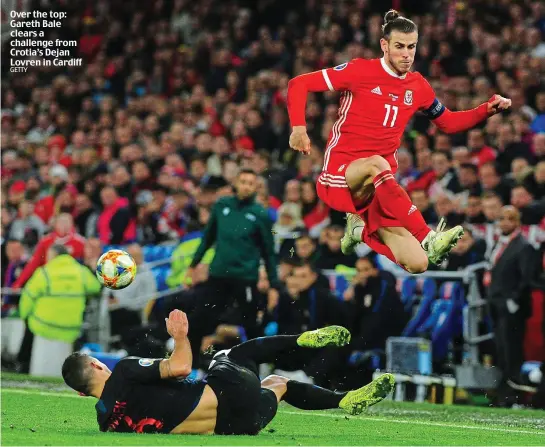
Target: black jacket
<point>312,309</point>
<point>377,313</point>
<point>512,275</point>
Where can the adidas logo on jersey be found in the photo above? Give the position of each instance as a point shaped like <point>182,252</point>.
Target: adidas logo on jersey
<point>376,90</point>
<point>412,209</point>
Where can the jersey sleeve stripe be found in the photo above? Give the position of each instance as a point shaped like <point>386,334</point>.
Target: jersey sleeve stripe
<point>327,80</point>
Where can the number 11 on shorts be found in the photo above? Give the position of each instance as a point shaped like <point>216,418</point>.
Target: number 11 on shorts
<point>388,108</point>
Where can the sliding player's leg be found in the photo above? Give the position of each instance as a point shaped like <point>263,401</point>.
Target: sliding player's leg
<point>312,397</point>
<point>267,349</point>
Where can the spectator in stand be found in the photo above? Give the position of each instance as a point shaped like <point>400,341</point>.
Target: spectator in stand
<point>287,228</point>
<point>492,205</point>
<point>15,261</point>
<point>531,211</point>
<point>330,250</point>
<point>85,216</point>
<point>315,212</point>
<point>446,179</point>
<point>426,175</point>
<point>468,251</point>
<point>474,211</point>
<point>509,148</point>
<point>27,226</point>
<point>445,208</point>
<point>406,172</point>
<point>469,182</point>
<point>115,224</point>
<point>64,233</point>
<point>306,249</point>
<point>375,308</point>
<point>491,181</point>
<point>16,195</point>
<point>421,200</point>
<point>535,181</point>
<point>538,124</point>
<point>480,153</point>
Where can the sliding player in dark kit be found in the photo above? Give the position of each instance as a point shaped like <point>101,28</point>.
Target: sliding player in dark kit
<point>154,395</point>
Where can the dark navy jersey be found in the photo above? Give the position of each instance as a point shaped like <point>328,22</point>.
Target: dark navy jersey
<point>136,399</point>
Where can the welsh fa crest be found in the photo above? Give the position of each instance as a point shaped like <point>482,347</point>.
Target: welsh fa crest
<point>408,99</point>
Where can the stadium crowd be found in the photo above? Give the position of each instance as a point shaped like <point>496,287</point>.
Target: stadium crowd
<point>175,97</point>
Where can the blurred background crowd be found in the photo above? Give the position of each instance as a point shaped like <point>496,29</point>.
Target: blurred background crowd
<point>176,96</point>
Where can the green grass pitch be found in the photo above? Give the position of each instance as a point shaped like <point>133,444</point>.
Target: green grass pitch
<point>45,416</point>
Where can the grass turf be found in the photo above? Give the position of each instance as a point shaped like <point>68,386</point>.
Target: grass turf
<point>43,417</point>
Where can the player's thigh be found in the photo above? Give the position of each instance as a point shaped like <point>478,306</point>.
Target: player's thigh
<point>405,248</point>
<point>361,172</point>
<point>277,384</point>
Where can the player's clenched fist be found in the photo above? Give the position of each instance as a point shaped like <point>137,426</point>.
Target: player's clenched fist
<point>299,140</point>
<point>177,324</point>
<point>497,104</point>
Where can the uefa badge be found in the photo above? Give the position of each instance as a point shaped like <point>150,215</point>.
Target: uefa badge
<point>146,362</point>
<point>408,100</point>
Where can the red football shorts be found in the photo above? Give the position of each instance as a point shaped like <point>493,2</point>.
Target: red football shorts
<point>333,191</point>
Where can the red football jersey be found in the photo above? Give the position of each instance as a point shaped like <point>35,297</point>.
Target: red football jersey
<point>376,105</point>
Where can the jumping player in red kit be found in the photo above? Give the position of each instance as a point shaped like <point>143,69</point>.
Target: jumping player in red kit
<point>379,97</point>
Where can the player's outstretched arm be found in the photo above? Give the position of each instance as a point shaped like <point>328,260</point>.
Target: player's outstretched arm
<point>179,363</point>
<point>453,122</point>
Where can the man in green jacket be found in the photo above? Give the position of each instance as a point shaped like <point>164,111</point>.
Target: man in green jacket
<point>242,232</point>
<point>52,303</point>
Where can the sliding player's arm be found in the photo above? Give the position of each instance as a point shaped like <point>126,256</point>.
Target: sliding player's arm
<point>339,78</point>
<point>452,122</point>
<point>179,363</point>
<point>144,370</point>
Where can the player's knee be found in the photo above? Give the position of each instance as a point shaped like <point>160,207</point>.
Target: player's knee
<point>273,379</point>
<point>418,264</point>
<point>376,164</point>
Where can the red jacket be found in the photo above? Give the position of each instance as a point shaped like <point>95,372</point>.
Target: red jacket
<point>45,208</point>
<point>73,242</point>
<point>423,181</point>
<point>105,220</point>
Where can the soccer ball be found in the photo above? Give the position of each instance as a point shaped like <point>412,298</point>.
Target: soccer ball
<point>116,269</point>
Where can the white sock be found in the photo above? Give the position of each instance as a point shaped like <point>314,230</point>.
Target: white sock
<point>424,243</point>
<point>357,233</point>
<point>535,375</point>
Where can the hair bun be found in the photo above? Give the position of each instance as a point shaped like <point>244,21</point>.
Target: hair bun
<point>391,15</point>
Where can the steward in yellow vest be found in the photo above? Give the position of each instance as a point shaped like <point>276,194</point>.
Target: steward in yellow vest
<point>53,300</point>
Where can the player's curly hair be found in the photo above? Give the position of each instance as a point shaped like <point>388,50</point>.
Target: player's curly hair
<point>76,372</point>
<point>393,21</point>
